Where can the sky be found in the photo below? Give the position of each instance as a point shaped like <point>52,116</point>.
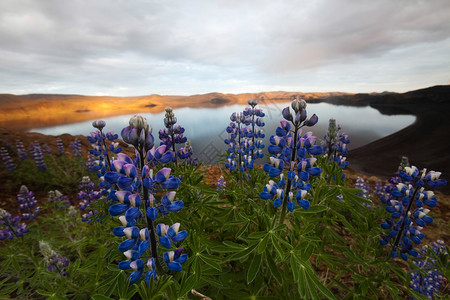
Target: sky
<point>179,47</point>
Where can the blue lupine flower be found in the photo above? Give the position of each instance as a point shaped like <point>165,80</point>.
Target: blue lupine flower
<point>221,184</point>
<point>139,133</point>
<point>7,161</point>
<point>336,144</point>
<point>151,270</point>
<point>54,261</point>
<point>46,149</point>
<point>76,147</point>
<point>58,199</point>
<point>11,226</point>
<point>88,195</point>
<point>406,223</point>
<point>173,135</point>
<point>38,157</point>
<point>245,138</point>
<point>28,204</point>
<point>21,150</point>
<point>60,146</point>
<point>294,151</point>
<point>138,185</point>
<point>174,259</point>
<point>431,282</point>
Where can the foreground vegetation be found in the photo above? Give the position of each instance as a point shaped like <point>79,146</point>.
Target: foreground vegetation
<point>291,230</point>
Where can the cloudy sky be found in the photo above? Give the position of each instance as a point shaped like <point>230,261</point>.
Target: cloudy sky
<point>125,48</point>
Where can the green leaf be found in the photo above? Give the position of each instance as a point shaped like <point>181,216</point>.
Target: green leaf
<point>254,268</point>
<point>272,267</point>
<point>294,268</point>
<point>312,210</point>
<point>44,293</point>
<point>313,277</point>
<point>207,260</point>
<point>257,235</point>
<point>188,284</point>
<point>242,230</point>
<point>277,247</point>
<point>243,253</point>
<point>302,283</point>
<point>263,244</point>
<point>100,297</point>
<point>234,245</point>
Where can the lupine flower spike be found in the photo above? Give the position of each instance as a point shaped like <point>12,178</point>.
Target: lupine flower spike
<point>336,144</point>
<point>173,135</point>
<point>38,156</point>
<point>7,161</point>
<point>21,150</point>
<point>11,226</point>
<point>87,196</point>
<point>54,261</point>
<point>58,199</point>
<point>28,204</point>
<point>408,215</point>
<point>135,202</point>
<point>244,141</point>
<point>76,147</point>
<point>292,151</point>
<point>431,282</point>
<point>60,146</point>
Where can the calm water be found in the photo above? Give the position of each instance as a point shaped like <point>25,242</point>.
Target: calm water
<point>205,127</point>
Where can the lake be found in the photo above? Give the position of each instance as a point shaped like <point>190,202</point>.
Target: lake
<point>205,127</point>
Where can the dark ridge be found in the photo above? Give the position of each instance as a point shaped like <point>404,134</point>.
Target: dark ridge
<point>151,105</point>
<point>82,110</point>
<point>219,101</point>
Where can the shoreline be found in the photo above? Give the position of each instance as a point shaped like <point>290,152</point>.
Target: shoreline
<point>425,142</point>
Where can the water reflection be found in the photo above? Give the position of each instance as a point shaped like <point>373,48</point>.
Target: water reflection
<point>205,127</point>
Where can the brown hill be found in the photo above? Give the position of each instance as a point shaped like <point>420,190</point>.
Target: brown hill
<point>36,110</point>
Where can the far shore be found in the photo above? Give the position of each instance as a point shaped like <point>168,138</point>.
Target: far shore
<point>425,142</point>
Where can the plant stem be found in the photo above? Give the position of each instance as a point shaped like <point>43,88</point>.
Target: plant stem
<point>288,185</point>
<point>402,227</point>
<point>150,225</point>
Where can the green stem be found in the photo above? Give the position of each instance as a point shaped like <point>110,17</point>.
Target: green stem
<point>150,225</point>
<point>288,185</point>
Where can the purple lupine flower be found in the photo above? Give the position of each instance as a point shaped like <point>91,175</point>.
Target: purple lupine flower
<point>60,146</point>
<point>295,152</point>
<point>365,189</point>
<point>173,135</point>
<point>254,118</point>
<point>7,161</point>
<point>430,283</point>
<point>58,199</point>
<point>221,184</point>
<point>28,204</point>
<point>46,149</point>
<point>11,226</point>
<point>88,195</point>
<point>138,133</point>
<point>21,150</point>
<point>76,147</point>
<point>136,203</point>
<point>54,261</point>
<point>406,223</point>
<point>38,156</point>
<point>90,164</point>
<point>336,144</point>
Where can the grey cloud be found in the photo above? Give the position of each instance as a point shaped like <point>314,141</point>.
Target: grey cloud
<point>203,46</point>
